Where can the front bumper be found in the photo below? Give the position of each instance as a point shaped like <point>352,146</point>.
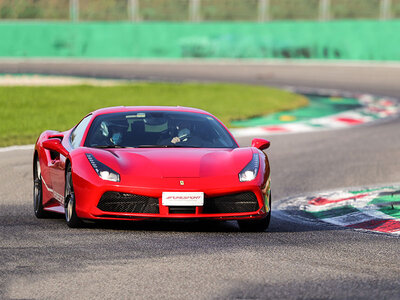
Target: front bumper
<point>88,195</point>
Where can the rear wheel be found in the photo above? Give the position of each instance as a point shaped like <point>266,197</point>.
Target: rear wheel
<point>71,217</point>
<point>38,191</point>
<point>257,225</point>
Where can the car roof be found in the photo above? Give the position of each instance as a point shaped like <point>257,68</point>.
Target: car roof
<point>116,109</point>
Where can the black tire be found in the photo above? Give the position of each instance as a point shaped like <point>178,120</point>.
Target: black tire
<point>258,225</point>
<point>73,221</point>
<point>38,209</point>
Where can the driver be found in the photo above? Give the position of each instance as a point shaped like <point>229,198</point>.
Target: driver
<point>182,133</point>
<point>182,136</point>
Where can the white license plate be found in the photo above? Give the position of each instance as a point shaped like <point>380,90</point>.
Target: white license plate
<point>183,198</point>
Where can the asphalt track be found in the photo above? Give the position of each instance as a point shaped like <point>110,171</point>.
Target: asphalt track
<point>294,259</point>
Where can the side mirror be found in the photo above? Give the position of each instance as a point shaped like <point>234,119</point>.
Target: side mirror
<point>260,144</point>
<point>55,145</point>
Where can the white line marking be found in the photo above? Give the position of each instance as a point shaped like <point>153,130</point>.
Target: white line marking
<point>374,212</point>
<point>349,219</point>
<point>14,148</point>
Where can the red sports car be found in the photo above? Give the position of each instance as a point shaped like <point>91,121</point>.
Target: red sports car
<point>135,163</point>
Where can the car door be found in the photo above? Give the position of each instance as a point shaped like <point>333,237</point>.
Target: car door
<point>58,163</point>
<point>57,171</point>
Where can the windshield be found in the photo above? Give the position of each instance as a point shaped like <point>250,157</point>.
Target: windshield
<point>153,129</point>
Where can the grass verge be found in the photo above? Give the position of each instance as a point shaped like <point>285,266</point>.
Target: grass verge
<point>27,111</point>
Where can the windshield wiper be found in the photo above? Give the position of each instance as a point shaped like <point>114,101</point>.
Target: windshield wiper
<point>166,146</point>
<point>152,146</point>
<point>182,146</point>
<point>108,146</point>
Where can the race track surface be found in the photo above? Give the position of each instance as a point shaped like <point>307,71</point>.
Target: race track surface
<point>293,259</point>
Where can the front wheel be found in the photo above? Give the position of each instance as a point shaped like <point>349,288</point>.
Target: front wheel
<point>71,217</point>
<point>38,209</point>
<point>257,225</point>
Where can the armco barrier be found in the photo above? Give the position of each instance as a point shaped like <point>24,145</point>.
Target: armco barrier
<point>350,40</point>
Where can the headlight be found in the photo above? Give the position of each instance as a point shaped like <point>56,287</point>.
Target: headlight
<point>104,172</point>
<point>250,171</point>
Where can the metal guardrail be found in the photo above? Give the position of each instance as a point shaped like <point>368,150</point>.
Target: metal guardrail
<point>199,10</point>
<point>264,7</point>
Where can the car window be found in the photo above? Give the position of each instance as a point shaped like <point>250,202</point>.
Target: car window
<point>158,129</point>
<point>79,131</point>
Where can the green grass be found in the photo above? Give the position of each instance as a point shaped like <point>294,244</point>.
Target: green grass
<point>27,111</point>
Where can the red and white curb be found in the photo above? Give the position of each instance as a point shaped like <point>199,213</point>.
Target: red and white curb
<point>372,209</point>
<point>372,108</point>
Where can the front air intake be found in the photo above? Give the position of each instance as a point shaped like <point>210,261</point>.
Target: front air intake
<point>234,203</point>
<point>128,203</point>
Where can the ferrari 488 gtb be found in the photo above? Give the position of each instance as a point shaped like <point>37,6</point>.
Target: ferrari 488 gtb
<point>135,163</point>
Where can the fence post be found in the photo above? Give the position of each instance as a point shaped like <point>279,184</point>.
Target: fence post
<point>385,9</point>
<point>133,10</point>
<point>74,10</point>
<point>194,10</point>
<point>263,10</point>
<point>324,10</point>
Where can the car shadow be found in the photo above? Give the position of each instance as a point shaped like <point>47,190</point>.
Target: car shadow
<point>166,225</point>
<point>281,221</point>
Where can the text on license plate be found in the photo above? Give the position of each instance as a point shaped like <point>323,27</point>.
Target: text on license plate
<point>183,198</point>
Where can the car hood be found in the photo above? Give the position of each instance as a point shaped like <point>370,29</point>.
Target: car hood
<point>176,163</point>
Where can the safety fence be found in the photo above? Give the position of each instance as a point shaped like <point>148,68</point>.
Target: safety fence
<point>198,10</point>
<point>351,40</point>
